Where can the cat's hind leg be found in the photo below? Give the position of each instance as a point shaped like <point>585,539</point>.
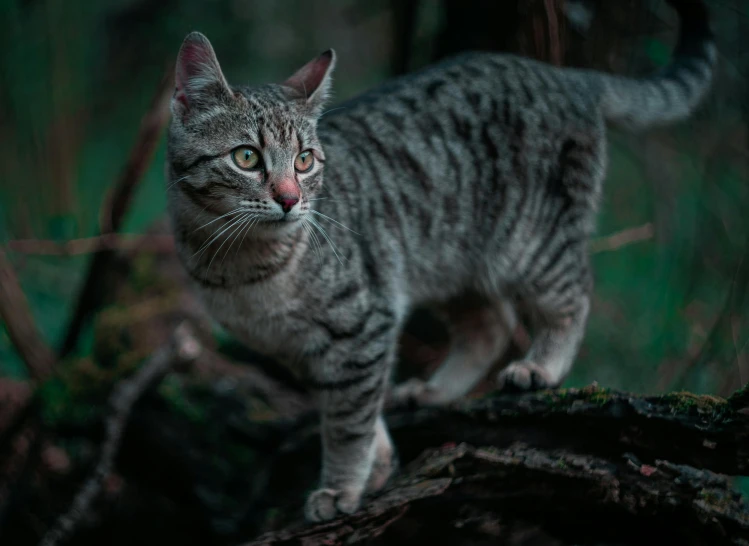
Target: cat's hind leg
<point>480,331</point>
<point>559,300</point>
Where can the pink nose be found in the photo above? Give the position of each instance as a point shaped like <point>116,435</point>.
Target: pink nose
<point>286,201</point>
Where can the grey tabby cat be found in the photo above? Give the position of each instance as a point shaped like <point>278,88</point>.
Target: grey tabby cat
<point>465,186</point>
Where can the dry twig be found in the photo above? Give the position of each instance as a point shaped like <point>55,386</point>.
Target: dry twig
<point>116,205</point>
<point>184,348</point>
<point>622,238</point>
<point>26,338</point>
<point>162,244</point>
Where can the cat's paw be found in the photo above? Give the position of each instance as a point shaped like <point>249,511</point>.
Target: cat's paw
<point>524,375</point>
<point>326,504</point>
<point>414,391</point>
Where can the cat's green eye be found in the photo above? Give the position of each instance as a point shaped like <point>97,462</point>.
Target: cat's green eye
<point>246,158</point>
<point>304,161</point>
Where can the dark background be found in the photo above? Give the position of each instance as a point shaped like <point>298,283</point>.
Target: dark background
<point>670,307</point>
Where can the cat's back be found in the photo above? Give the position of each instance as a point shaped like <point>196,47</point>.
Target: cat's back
<point>473,87</point>
<point>430,162</point>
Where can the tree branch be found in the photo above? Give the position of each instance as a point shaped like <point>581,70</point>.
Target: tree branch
<point>456,493</point>
<point>624,451</point>
<point>184,348</point>
<point>162,244</point>
<point>622,238</point>
<point>15,312</point>
<point>115,207</point>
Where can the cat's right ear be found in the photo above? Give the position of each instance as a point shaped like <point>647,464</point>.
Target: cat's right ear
<point>313,81</point>
<point>198,78</point>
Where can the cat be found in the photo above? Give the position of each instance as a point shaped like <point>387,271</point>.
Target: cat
<point>466,186</point>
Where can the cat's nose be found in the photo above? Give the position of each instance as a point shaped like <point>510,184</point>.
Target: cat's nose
<point>287,201</point>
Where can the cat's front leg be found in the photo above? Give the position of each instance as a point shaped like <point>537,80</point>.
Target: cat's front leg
<point>357,452</point>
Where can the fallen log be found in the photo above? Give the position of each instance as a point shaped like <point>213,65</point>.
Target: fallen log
<point>466,495</point>
<point>552,459</point>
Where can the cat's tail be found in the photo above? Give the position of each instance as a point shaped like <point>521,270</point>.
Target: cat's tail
<point>673,93</point>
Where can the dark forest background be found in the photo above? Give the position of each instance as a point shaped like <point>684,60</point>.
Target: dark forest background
<point>671,305</point>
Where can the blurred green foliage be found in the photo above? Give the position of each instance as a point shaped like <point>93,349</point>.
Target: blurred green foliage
<point>77,76</point>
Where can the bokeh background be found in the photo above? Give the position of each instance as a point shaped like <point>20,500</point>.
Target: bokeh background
<point>671,306</point>
<point>669,312</point>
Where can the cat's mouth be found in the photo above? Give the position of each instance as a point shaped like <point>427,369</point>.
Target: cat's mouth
<point>284,220</point>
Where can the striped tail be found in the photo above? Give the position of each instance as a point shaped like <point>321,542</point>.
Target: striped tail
<point>673,93</point>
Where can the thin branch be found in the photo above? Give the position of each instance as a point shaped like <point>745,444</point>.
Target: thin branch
<point>151,126</point>
<point>164,244</point>
<point>159,244</point>
<point>184,348</point>
<point>116,205</point>
<point>622,238</point>
<point>19,322</point>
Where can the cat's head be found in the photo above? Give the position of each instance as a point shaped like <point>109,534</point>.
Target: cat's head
<point>249,151</point>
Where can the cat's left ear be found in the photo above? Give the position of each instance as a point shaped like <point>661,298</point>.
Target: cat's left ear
<point>314,80</point>
<point>199,81</point>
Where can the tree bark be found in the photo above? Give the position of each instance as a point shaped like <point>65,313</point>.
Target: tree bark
<point>466,495</point>
<point>574,465</point>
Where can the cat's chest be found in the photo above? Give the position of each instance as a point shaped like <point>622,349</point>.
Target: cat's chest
<point>265,318</point>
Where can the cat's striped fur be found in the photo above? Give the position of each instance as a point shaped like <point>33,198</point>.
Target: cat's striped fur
<point>462,186</point>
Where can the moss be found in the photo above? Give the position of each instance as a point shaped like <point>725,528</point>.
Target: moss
<point>719,500</point>
<point>563,398</point>
<point>740,398</point>
<point>701,403</point>
<point>173,391</point>
<point>597,395</point>
<point>558,397</point>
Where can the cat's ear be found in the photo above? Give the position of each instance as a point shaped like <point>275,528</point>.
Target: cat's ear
<point>314,80</point>
<point>198,78</point>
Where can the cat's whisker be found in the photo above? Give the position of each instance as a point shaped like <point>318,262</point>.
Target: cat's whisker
<point>170,186</point>
<point>246,219</point>
<point>332,110</point>
<point>327,238</point>
<point>315,241</point>
<point>334,221</point>
<point>216,236</point>
<point>253,220</point>
<point>228,238</point>
<point>237,210</point>
<point>313,238</point>
<point>210,239</point>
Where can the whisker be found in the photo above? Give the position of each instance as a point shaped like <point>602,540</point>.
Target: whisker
<point>327,238</point>
<point>228,237</point>
<point>250,223</point>
<point>169,187</point>
<point>332,110</point>
<point>243,224</point>
<point>313,238</point>
<point>216,236</point>
<point>213,237</point>
<point>316,242</point>
<point>334,221</point>
<point>219,218</point>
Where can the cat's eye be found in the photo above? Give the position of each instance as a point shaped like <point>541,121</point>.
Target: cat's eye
<point>246,158</point>
<point>304,161</point>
